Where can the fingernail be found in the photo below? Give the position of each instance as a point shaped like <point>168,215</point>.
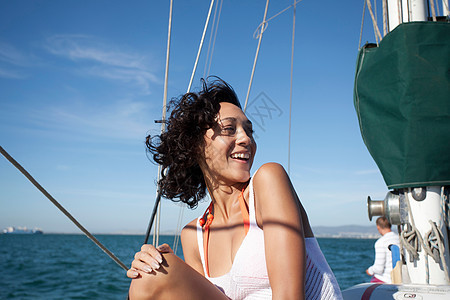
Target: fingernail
<point>155,265</point>
<point>148,269</point>
<point>159,259</point>
<point>134,274</point>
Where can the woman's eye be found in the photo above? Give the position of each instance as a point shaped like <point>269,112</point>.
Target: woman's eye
<point>228,130</point>
<point>249,131</point>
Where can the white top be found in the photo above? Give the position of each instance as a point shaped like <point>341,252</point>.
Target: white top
<point>248,278</point>
<point>382,266</point>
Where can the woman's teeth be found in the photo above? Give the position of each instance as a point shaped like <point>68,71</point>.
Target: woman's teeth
<point>240,155</point>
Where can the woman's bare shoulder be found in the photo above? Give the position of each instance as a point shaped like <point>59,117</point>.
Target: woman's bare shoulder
<point>189,231</point>
<point>269,173</point>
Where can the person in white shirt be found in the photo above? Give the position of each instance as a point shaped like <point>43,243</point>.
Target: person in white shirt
<point>382,267</point>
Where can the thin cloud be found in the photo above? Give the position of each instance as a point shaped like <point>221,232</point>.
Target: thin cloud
<point>11,58</point>
<point>139,77</point>
<point>104,60</point>
<point>123,120</point>
<point>12,74</point>
<point>12,55</point>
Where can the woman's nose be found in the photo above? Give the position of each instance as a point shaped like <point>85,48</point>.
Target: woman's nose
<point>243,137</point>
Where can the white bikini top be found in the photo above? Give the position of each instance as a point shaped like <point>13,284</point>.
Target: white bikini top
<point>248,278</point>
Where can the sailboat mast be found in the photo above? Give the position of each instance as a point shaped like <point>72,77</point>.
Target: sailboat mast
<point>401,11</point>
<point>420,208</point>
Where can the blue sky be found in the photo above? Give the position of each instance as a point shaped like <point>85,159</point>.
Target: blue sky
<point>82,82</point>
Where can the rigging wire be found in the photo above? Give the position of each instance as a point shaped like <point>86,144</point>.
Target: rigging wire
<point>157,205</point>
<point>258,35</point>
<point>362,24</point>
<point>176,240</point>
<point>201,46</point>
<point>181,210</point>
<point>215,35</point>
<point>212,37</point>
<point>290,95</point>
<point>276,15</point>
<point>60,207</point>
<point>263,27</point>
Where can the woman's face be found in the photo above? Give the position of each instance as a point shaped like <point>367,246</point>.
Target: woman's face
<point>229,146</point>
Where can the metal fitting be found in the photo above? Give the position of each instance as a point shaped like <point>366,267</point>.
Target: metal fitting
<point>393,207</point>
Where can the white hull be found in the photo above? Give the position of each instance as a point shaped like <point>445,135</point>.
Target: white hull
<point>375,291</point>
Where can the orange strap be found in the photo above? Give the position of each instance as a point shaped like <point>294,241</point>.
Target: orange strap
<point>209,219</point>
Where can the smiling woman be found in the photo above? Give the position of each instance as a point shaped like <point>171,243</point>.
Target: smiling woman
<point>178,149</point>
<point>254,241</point>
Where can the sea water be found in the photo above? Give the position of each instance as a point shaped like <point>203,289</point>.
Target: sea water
<point>60,266</point>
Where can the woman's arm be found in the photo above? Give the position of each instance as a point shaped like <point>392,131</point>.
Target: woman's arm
<point>279,213</point>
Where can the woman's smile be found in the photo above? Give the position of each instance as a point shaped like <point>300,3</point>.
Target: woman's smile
<point>229,146</point>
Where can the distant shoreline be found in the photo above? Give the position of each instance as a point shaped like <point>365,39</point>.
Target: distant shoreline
<point>362,237</point>
<point>337,232</point>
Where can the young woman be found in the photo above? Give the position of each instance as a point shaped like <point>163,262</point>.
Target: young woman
<point>254,241</point>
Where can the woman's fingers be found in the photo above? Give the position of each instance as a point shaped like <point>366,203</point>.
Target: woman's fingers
<point>146,267</point>
<point>164,248</point>
<point>152,251</point>
<point>132,273</point>
<point>147,260</point>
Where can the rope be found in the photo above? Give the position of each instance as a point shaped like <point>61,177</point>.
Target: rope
<point>62,209</point>
<point>433,244</point>
<point>375,9</point>
<point>432,240</point>
<point>421,242</point>
<point>385,18</point>
<point>408,238</point>
<point>290,95</point>
<point>200,46</point>
<point>375,24</point>
<point>433,10</point>
<point>263,27</point>
<point>362,25</point>
<point>439,238</point>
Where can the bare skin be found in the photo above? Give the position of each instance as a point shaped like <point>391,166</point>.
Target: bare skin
<point>278,212</point>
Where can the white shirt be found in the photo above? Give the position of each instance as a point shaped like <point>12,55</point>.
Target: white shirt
<point>382,266</point>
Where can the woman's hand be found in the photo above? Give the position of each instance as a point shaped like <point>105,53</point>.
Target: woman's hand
<point>147,260</point>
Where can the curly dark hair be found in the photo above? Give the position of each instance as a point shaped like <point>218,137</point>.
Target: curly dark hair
<point>179,149</point>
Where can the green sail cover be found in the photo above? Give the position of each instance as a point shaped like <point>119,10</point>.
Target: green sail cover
<point>402,98</point>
